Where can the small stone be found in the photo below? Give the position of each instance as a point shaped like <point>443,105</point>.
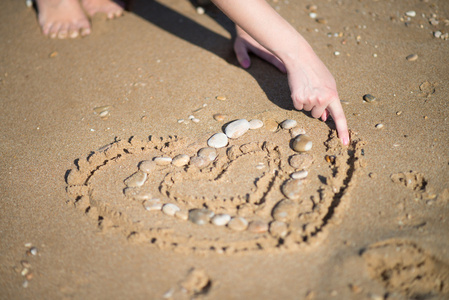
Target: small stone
<point>33,251</point>
<point>180,160</point>
<point>412,57</point>
<point>398,113</point>
<point>180,121</point>
<point>288,124</point>
<point>372,175</point>
<point>200,10</point>
<point>142,195</point>
<point>221,219</point>
<point>25,284</point>
<point>285,210</point>
<point>292,188</point>
<point>411,13</point>
<point>321,20</point>
<point>162,160</point>
<point>219,117</point>
<point>278,229</point>
<point>100,109</point>
<point>191,117</point>
<point>369,98</point>
<point>29,276</point>
<point>294,132</point>
<point>337,53</point>
<point>218,140</point>
<point>104,114</point>
<point>312,15</point>
<point>152,204</point>
<point>25,271</point>
<point>200,216</point>
<point>170,209</point>
<point>238,224</point>
<point>258,226</point>
<point>301,161</point>
<point>437,34</point>
<point>237,128</point>
<point>147,166</point>
<point>221,98</point>
<point>255,124</point>
<point>25,264</point>
<point>53,54</point>
<point>29,3</point>
<point>379,126</point>
<point>300,174</point>
<point>182,215</point>
<point>199,162</point>
<point>330,158</point>
<point>195,120</point>
<point>136,180</point>
<point>302,143</point>
<point>271,125</point>
<point>208,153</point>
<point>312,7</point>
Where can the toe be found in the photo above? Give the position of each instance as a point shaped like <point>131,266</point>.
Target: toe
<point>53,31</point>
<point>63,31</point>
<point>74,32</point>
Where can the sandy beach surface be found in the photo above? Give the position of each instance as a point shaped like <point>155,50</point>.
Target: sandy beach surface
<point>78,118</point>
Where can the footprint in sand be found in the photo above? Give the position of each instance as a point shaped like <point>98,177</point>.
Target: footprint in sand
<point>240,197</point>
<point>402,266</point>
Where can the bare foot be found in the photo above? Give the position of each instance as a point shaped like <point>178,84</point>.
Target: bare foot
<point>62,18</point>
<point>108,7</point>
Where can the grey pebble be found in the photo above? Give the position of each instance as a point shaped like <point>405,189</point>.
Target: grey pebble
<point>200,216</point>
<point>238,224</point>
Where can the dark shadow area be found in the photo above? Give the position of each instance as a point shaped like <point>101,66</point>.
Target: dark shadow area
<point>271,80</point>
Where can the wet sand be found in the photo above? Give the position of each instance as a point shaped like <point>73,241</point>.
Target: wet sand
<point>383,233</point>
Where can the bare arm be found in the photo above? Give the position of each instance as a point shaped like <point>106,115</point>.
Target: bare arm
<point>311,84</point>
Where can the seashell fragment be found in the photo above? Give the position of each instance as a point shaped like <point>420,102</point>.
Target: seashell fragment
<point>258,226</point>
<point>152,204</point>
<point>237,128</point>
<point>199,162</point>
<point>278,229</point>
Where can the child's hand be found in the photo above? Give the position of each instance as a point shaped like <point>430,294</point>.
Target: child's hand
<point>244,44</point>
<point>313,89</point>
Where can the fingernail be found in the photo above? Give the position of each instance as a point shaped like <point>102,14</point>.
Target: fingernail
<point>345,141</point>
<point>245,63</point>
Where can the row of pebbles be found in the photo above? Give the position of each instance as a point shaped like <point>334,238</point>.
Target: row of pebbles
<point>283,212</point>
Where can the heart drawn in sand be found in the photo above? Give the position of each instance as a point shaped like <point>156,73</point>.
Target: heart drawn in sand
<point>242,198</point>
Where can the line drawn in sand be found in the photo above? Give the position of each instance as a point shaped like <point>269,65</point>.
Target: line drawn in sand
<point>249,182</point>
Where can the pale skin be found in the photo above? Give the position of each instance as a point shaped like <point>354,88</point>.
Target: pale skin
<point>69,18</point>
<point>262,31</point>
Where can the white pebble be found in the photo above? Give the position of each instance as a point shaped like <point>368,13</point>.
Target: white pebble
<point>288,124</point>
<point>195,120</point>
<point>208,153</point>
<point>300,174</point>
<point>221,219</point>
<point>147,166</point>
<point>180,121</point>
<point>294,132</point>
<point>170,209</point>
<point>191,117</point>
<point>255,124</point>
<point>152,204</point>
<point>218,140</point>
<point>411,13</point>
<point>136,180</point>
<point>162,160</point>
<point>180,160</point>
<point>437,34</point>
<point>200,10</point>
<point>237,128</point>
<point>336,53</point>
<point>379,126</point>
<point>312,15</point>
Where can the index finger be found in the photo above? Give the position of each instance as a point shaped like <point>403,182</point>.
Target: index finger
<point>336,111</point>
